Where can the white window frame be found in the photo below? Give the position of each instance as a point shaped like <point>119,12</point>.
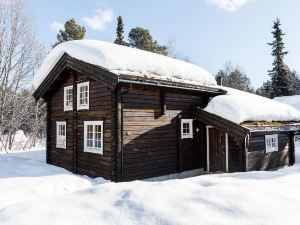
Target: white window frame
<point>67,107</point>
<point>93,149</point>
<point>190,134</point>
<point>59,136</point>
<point>269,141</point>
<point>83,106</point>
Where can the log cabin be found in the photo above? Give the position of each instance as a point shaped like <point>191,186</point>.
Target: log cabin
<point>126,114</point>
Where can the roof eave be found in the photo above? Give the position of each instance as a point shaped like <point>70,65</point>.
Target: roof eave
<point>169,84</point>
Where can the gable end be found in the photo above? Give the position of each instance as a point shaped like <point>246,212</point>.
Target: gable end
<point>67,62</point>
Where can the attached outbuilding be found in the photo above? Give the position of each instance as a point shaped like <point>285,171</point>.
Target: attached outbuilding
<point>127,114</point>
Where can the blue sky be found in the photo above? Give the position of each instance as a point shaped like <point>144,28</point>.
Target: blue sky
<point>209,32</point>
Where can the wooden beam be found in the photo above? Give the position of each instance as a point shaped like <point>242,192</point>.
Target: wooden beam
<point>48,145</point>
<point>119,125</point>
<point>207,147</point>
<point>292,148</point>
<point>163,101</point>
<point>246,146</point>
<point>74,143</point>
<point>179,158</point>
<point>226,149</point>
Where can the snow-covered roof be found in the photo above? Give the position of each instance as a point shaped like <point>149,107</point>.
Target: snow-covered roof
<point>239,106</point>
<point>125,60</point>
<point>293,100</point>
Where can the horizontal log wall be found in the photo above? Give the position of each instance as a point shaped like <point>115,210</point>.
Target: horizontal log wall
<point>258,159</point>
<point>101,100</point>
<point>151,127</point>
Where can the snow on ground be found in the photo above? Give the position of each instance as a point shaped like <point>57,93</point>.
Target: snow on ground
<point>290,100</point>
<point>34,193</point>
<point>239,106</point>
<point>125,60</point>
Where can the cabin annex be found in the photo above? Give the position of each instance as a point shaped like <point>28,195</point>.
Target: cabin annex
<point>125,126</point>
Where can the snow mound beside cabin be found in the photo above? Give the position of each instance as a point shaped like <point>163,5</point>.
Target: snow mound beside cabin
<point>125,60</point>
<point>290,100</point>
<point>239,106</point>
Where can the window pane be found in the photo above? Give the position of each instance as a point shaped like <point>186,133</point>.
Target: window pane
<point>186,128</point>
<point>83,95</point>
<point>89,136</point>
<point>98,144</point>
<point>69,97</point>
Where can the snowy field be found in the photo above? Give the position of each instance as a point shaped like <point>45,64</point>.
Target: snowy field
<point>34,193</point>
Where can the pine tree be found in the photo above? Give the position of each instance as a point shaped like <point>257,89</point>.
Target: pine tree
<point>279,74</point>
<point>142,39</point>
<point>120,32</point>
<point>72,31</point>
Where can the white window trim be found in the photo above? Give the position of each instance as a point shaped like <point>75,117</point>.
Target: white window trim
<point>80,107</point>
<point>89,149</point>
<point>57,135</point>
<point>67,108</point>
<point>270,148</point>
<point>190,122</point>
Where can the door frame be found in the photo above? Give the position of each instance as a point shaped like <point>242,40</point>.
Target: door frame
<point>207,148</point>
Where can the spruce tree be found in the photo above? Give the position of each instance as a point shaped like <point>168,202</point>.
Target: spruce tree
<point>120,32</point>
<point>142,39</point>
<point>279,74</point>
<point>72,31</point>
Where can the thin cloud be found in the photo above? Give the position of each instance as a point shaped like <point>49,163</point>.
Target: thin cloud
<point>55,26</point>
<point>229,5</point>
<point>100,19</point>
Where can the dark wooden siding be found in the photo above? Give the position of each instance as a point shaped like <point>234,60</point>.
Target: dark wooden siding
<point>258,159</point>
<point>57,156</point>
<point>101,101</point>
<point>235,155</point>
<point>151,143</point>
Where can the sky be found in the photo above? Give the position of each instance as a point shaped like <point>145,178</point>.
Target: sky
<point>208,32</point>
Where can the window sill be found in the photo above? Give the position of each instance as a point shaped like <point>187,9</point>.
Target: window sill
<point>271,151</point>
<point>187,136</point>
<point>95,151</point>
<point>82,109</point>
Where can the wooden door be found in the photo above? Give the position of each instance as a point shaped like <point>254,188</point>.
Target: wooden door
<point>217,151</point>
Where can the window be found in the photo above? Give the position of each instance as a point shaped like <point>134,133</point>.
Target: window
<point>93,136</point>
<point>68,98</point>
<point>186,128</point>
<point>271,143</point>
<point>61,135</point>
<point>83,95</point>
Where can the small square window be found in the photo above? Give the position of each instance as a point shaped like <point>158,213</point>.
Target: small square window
<point>61,133</point>
<point>83,95</point>
<point>271,143</point>
<point>68,98</point>
<point>93,136</point>
<point>187,128</point>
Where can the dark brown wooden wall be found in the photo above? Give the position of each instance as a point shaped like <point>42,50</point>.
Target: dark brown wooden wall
<point>258,159</point>
<point>151,146</point>
<point>235,155</point>
<point>101,103</point>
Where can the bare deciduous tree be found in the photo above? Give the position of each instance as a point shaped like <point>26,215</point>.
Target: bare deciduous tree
<point>20,55</point>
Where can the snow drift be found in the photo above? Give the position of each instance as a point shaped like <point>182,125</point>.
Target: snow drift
<point>290,100</point>
<point>125,60</point>
<point>34,193</point>
<point>239,106</point>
